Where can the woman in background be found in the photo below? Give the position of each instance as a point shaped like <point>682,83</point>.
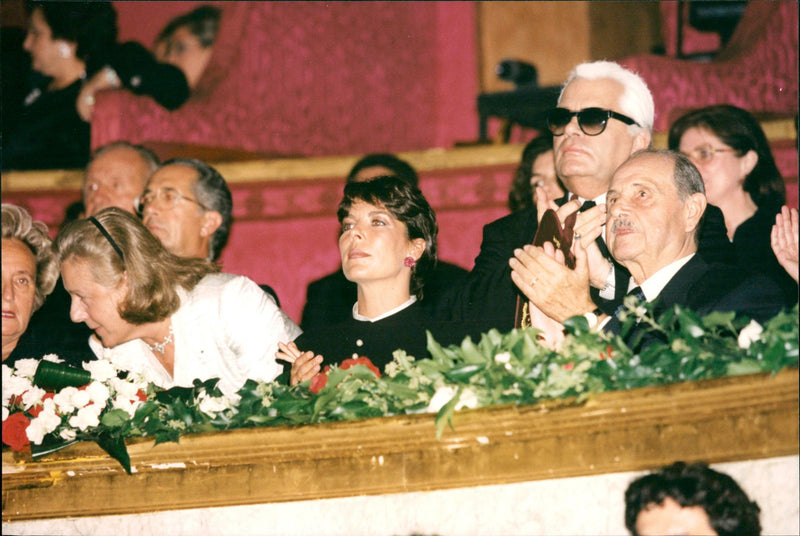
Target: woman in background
<point>388,247</point>
<point>729,148</point>
<point>74,54</point>
<point>536,174</point>
<point>175,318</point>
<point>187,41</point>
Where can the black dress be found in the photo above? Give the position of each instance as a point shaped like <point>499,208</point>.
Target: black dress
<point>404,330</point>
<point>331,298</point>
<point>751,242</point>
<point>44,130</point>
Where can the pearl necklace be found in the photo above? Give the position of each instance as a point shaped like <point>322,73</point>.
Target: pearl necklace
<point>160,347</point>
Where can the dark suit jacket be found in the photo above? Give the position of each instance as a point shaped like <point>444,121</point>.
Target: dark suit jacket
<point>488,295</point>
<point>331,298</point>
<point>706,287</point>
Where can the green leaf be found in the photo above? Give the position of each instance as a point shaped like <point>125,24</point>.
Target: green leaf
<point>116,418</point>
<point>114,445</point>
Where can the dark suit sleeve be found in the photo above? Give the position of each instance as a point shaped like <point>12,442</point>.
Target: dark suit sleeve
<point>139,72</point>
<point>488,296</point>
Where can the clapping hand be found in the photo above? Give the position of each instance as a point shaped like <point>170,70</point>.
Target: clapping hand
<point>784,238</point>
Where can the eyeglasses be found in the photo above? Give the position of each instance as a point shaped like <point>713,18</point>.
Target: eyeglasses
<point>705,153</point>
<point>592,121</point>
<point>169,197</point>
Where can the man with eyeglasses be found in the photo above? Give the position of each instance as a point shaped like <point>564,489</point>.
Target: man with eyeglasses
<point>605,113</point>
<point>187,205</point>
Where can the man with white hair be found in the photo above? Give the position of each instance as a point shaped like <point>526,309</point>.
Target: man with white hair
<point>605,114</point>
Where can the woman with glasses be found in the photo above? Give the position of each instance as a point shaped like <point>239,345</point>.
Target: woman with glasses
<point>174,319</point>
<point>729,148</point>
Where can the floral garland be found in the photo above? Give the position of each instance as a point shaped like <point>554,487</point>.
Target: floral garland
<point>116,402</point>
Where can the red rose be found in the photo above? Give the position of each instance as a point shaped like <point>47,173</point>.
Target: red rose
<point>141,395</point>
<point>14,431</point>
<point>569,366</point>
<point>347,363</point>
<point>318,382</point>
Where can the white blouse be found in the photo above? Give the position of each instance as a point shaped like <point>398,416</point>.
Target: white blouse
<point>227,327</point>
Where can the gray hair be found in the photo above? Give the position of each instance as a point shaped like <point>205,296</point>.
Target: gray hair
<point>18,224</point>
<point>636,100</point>
<point>213,193</point>
<point>148,156</point>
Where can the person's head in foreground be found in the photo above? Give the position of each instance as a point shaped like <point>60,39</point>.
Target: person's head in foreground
<point>388,234</point>
<point>122,281</point>
<point>690,499</point>
<point>29,272</point>
<point>656,202</point>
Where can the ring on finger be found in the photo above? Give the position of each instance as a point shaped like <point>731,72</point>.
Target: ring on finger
<point>577,236</point>
<point>533,281</point>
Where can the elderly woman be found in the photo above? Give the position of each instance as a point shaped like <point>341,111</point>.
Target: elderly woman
<point>387,246</point>
<point>176,318</point>
<point>29,275</point>
<point>729,148</point>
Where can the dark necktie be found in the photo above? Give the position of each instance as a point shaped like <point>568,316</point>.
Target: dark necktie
<point>586,204</point>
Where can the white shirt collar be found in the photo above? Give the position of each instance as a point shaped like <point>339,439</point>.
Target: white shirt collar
<point>397,309</point>
<point>600,199</point>
<point>654,284</point>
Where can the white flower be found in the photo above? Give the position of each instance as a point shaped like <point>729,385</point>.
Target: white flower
<point>67,434</point>
<point>130,405</point>
<point>504,357</point>
<point>15,386</point>
<point>81,398</point>
<point>750,334</point>
<point>86,417</point>
<point>46,422</point>
<point>26,367</point>
<point>32,397</point>
<point>212,405</point>
<point>468,399</point>
<point>98,393</point>
<point>442,396</point>
<point>53,358</point>
<point>101,369</point>
<point>64,400</point>
<point>5,413</point>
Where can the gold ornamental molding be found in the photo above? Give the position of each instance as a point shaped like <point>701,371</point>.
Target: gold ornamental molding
<point>240,169</point>
<point>729,419</point>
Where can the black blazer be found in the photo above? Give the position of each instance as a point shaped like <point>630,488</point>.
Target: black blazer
<point>489,296</point>
<point>704,288</point>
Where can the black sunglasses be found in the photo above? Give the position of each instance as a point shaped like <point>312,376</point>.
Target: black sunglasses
<point>592,121</point>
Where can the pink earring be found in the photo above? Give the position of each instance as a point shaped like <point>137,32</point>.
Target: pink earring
<point>409,262</point>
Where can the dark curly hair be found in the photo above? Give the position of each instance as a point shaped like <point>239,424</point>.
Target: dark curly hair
<point>398,167</point>
<point>521,195</point>
<point>739,130</point>
<point>92,26</point>
<point>406,203</point>
<point>730,511</point>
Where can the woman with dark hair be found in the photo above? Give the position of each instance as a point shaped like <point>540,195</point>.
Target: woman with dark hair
<point>729,148</point>
<point>187,41</point>
<point>74,54</point>
<point>536,174</point>
<point>173,317</point>
<point>388,247</point>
